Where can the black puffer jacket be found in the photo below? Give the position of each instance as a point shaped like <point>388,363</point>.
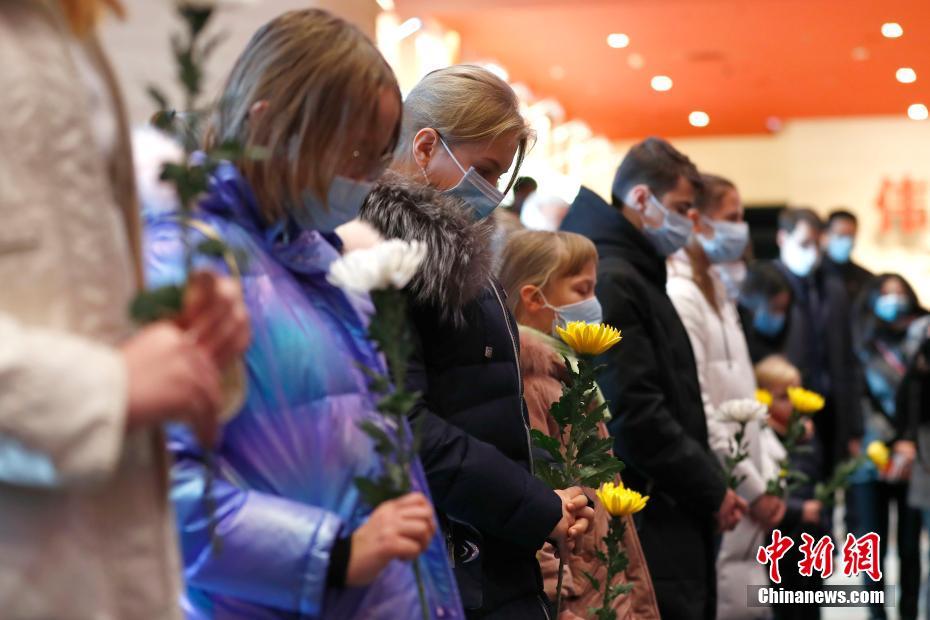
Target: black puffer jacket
<point>475,449</point>
<point>659,427</point>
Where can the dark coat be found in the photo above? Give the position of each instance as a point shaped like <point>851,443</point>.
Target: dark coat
<point>852,276</point>
<point>475,443</point>
<point>819,342</point>
<point>659,425</point>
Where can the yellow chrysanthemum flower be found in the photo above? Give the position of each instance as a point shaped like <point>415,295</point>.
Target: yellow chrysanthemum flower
<point>879,454</point>
<point>804,401</point>
<point>782,473</point>
<point>619,500</point>
<point>587,339</point>
<point>764,397</point>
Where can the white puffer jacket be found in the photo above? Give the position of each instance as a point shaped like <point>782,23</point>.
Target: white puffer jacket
<point>725,372</point>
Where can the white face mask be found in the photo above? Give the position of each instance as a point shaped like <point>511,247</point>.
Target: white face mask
<point>799,260</point>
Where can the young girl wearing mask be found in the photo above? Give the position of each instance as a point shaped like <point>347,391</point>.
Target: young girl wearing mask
<point>462,130</point>
<point>725,372</point>
<point>294,537</point>
<point>549,278</point>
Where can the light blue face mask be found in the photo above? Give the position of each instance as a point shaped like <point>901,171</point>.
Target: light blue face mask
<point>587,311</point>
<point>474,189</point>
<point>890,308</point>
<point>728,243</point>
<point>672,234</point>
<point>839,248</point>
<point>343,202</point>
<point>768,324</point>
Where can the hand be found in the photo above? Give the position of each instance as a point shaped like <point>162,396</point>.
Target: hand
<point>855,447</point>
<point>811,511</point>
<point>906,449</point>
<point>398,529</point>
<point>732,509</point>
<point>904,453</point>
<point>576,518</point>
<point>171,378</point>
<point>808,429</point>
<point>215,315</point>
<point>767,510</point>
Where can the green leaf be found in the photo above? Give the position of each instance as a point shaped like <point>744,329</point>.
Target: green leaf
<point>158,97</point>
<point>595,583</point>
<point>155,304</point>
<point>552,476</point>
<point>212,248</point>
<point>374,492</point>
<point>595,476</point>
<point>550,444</point>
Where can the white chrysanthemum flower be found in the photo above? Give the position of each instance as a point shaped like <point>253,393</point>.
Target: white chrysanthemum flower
<point>389,264</point>
<point>742,411</point>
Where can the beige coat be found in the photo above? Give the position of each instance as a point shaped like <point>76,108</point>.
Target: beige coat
<point>86,530</point>
<point>541,367</point>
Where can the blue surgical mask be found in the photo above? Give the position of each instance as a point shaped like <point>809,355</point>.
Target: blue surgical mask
<point>839,248</point>
<point>768,324</point>
<point>890,308</point>
<point>732,274</point>
<point>343,202</point>
<point>587,311</point>
<point>672,234</point>
<point>474,189</point>
<point>728,242</point>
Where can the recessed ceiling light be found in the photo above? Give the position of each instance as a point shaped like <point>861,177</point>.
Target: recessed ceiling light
<point>618,40</point>
<point>918,112</point>
<point>557,72</point>
<point>635,61</point>
<point>661,83</point>
<point>860,54</point>
<point>906,75</point>
<point>892,30</point>
<point>699,119</point>
<point>774,124</point>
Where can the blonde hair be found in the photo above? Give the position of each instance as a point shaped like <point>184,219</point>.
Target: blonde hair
<point>776,370</point>
<point>84,15</point>
<point>464,104</point>
<point>322,80</point>
<point>536,257</point>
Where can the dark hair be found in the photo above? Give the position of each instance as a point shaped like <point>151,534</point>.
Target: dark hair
<point>841,214</point>
<point>865,322</point>
<point>763,282</point>
<point>655,163</point>
<point>789,218</point>
<point>524,183</point>
<point>713,190</point>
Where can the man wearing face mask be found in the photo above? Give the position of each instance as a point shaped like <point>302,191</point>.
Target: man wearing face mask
<point>659,422</point>
<point>838,242</point>
<point>819,335</point>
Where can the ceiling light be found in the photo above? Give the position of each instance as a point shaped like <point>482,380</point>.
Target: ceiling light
<point>860,54</point>
<point>892,30</point>
<point>918,112</point>
<point>408,28</point>
<point>699,119</point>
<point>661,83</point>
<point>774,124</point>
<point>618,40</point>
<point>557,72</point>
<point>635,61</point>
<point>906,75</point>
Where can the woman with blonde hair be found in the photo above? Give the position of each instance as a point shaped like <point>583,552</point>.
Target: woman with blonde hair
<point>549,278</point>
<point>86,528</point>
<point>295,539</point>
<point>462,130</point>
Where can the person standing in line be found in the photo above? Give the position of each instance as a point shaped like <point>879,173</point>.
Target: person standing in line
<point>764,305</point>
<point>86,528</point>
<point>462,130</point>
<point>660,429</point>
<point>838,241</point>
<point>725,372</point>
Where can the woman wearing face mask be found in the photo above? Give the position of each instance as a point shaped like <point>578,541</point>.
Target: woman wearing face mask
<point>764,304</point>
<point>725,373</point>
<point>549,278</point>
<point>295,538</point>
<point>462,129</point>
<point>886,309</point>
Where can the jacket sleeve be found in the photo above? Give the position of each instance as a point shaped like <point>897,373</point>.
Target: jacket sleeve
<point>647,433</point>
<point>472,481</point>
<point>719,433</point>
<point>63,405</point>
<point>272,551</point>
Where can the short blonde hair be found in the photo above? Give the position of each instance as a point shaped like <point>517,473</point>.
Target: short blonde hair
<point>322,80</point>
<point>776,370</point>
<point>464,104</point>
<point>536,257</point>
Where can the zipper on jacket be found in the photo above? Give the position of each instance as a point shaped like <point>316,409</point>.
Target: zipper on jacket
<point>545,607</point>
<point>516,359</point>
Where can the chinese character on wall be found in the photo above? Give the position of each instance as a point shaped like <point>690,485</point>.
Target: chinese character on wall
<point>902,208</point>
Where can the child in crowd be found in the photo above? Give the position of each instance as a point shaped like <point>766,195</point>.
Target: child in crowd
<point>803,513</point>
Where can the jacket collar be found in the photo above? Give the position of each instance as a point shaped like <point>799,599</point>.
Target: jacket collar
<point>613,234</point>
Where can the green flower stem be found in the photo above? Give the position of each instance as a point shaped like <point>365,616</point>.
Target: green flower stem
<point>558,586</point>
<point>421,591</point>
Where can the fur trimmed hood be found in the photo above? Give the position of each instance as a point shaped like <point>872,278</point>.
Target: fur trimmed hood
<point>459,256</point>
